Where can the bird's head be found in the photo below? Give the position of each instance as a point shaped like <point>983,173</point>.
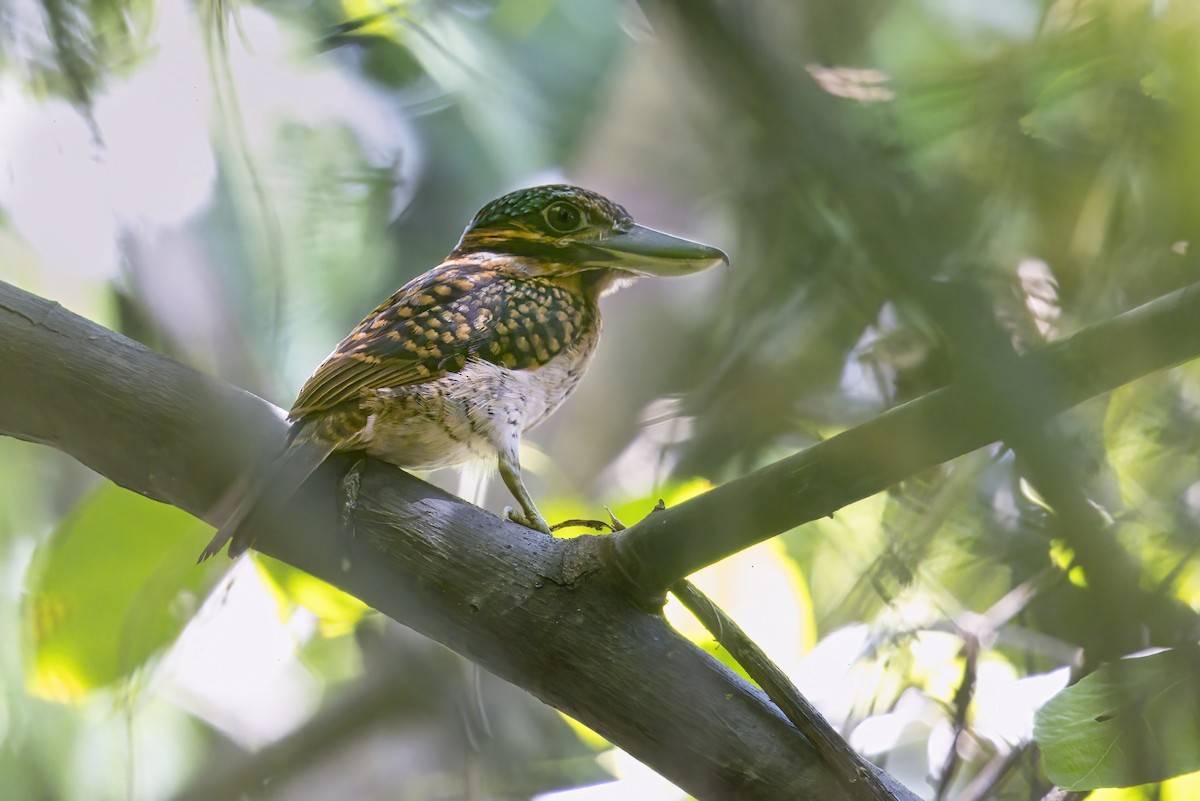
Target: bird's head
<point>563,230</point>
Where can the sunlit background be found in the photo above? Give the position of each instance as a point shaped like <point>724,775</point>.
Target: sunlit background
<point>236,184</point>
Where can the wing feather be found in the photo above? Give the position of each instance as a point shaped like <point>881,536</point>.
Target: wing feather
<point>391,346</point>
<point>439,320</point>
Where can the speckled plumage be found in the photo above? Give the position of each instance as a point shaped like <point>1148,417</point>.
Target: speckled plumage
<point>455,366</point>
<point>528,203</point>
<point>462,360</point>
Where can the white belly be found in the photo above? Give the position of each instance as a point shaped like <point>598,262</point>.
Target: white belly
<point>470,415</point>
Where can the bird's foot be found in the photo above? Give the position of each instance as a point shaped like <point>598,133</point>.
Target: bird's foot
<point>613,524</point>
<point>575,522</point>
<point>534,521</point>
<point>348,496</point>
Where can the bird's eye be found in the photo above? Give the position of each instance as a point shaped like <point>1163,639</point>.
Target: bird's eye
<point>563,218</point>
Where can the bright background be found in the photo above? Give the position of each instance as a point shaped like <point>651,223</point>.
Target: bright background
<point>237,184</point>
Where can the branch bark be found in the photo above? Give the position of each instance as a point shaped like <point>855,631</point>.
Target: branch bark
<point>676,542</point>
<point>548,615</point>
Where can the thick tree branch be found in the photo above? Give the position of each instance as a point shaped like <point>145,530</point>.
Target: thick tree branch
<point>543,613</point>
<point>935,428</point>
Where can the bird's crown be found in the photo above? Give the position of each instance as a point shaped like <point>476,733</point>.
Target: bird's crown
<point>554,210</point>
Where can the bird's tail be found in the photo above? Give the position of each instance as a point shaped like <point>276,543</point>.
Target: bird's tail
<point>270,490</point>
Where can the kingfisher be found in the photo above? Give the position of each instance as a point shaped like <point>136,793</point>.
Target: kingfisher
<point>464,359</point>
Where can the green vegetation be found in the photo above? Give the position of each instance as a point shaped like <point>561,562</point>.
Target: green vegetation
<point>912,194</point>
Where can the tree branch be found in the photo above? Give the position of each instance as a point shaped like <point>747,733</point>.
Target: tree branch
<point>676,542</point>
<point>546,614</point>
<point>766,674</point>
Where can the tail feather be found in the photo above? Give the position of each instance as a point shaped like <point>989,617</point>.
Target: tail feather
<point>270,491</point>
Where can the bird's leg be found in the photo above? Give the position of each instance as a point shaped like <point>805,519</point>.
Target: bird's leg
<point>529,517</point>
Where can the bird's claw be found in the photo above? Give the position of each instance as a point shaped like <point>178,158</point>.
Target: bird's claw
<point>537,523</point>
<point>595,525</point>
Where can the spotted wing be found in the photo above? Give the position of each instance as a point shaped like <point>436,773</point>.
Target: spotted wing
<point>438,321</point>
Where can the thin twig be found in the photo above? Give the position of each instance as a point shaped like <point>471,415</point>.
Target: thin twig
<point>983,785</point>
<point>962,702</point>
<point>845,762</point>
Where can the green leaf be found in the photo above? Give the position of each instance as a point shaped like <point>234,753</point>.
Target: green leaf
<point>337,612</point>
<point>1131,722</point>
<point>114,583</point>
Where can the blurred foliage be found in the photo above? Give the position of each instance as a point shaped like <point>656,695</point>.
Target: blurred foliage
<point>907,190</point>
<point>337,613</point>
<point>112,586</point>
<point>1129,723</point>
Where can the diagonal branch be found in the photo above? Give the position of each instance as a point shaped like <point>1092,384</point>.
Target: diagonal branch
<point>807,718</point>
<point>676,542</point>
<point>546,614</point>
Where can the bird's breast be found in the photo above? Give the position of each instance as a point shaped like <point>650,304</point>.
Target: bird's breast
<point>473,413</point>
